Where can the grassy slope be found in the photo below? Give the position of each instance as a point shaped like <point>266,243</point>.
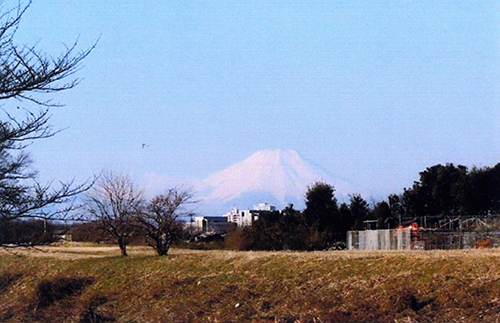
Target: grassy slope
<point>433,286</point>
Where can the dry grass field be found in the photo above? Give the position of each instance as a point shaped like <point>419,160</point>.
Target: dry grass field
<point>85,283</point>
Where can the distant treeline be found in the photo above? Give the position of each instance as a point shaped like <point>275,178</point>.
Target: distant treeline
<point>29,232</point>
<point>442,191</point>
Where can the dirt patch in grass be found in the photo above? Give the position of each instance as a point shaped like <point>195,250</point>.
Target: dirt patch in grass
<point>7,279</point>
<point>92,313</point>
<point>50,291</point>
<point>55,299</point>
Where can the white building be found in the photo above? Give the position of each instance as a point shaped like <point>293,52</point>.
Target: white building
<point>246,217</point>
<point>221,224</point>
<point>241,217</point>
<point>264,207</point>
<point>213,224</point>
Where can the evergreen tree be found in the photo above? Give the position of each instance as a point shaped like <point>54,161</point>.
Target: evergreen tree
<point>322,213</point>
<point>359,210</point>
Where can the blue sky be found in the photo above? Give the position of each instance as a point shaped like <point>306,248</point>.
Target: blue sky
<point>373,91</point>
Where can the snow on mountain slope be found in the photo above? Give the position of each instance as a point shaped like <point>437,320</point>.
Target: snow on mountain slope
<point>279,177</point>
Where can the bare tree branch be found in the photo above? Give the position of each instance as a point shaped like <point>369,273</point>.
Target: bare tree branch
<point>25,74</point>
<point>25,70</point>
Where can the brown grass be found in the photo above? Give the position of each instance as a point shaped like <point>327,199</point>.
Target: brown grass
<point>224,286</point>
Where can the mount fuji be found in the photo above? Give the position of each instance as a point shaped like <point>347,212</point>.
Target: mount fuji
<point>278,177</point>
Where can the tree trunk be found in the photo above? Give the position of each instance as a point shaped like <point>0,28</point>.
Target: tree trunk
<point>162,245</point>
<point>161,248</point>
<point>123,246</point>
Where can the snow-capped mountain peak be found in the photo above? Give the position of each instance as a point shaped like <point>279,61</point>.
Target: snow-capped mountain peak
<point>276,176</point>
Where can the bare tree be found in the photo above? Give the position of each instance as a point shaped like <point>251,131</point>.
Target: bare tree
<point>25,71</point>
<point>115,202</point>
<point>160,221</point>
<point>26,74</point>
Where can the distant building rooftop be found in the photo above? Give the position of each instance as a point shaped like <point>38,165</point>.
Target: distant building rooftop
<point>264,207</point>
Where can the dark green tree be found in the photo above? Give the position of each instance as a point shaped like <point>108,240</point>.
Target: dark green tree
<point>322,214</point>
<point>483,195</point>
<point>266,233</point>
<point>397,207</point>
<point>441,190</point>
<point>382,212</point>
<point>297,235</point>
<point>347,221</point>
<point>275,230</point>
<point>359,210</point>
